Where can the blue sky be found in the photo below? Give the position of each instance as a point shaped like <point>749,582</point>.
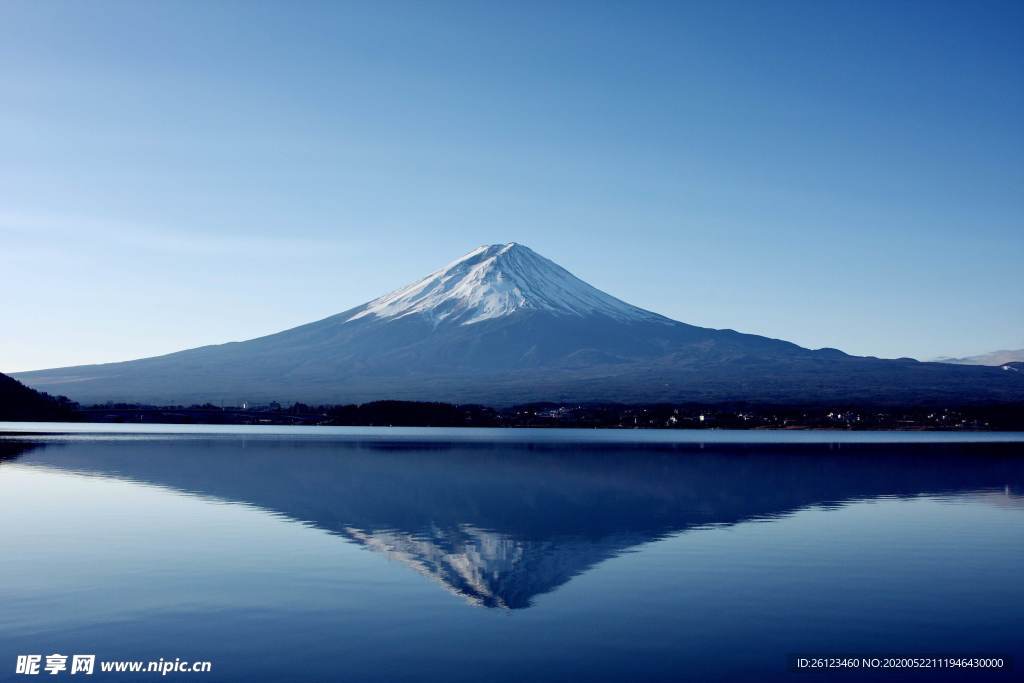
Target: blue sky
<point>845,174</point>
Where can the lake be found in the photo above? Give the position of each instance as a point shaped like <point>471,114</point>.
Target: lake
<point>362,554</point>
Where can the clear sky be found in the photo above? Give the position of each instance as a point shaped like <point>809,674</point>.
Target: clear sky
<point>845,174</point>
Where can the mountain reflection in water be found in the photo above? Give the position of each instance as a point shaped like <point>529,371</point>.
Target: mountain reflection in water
<point>501,524</point>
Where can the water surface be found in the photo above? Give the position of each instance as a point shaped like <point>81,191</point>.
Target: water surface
<point>392,555</point>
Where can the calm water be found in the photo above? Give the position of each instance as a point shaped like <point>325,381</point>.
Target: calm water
<point>408,555</point>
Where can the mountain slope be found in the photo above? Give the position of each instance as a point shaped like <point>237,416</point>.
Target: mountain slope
<point>18,402</point>
<point>501,325</point>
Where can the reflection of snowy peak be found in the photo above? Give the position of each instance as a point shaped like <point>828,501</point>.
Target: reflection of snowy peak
<point>495,281</point>
<point>488,568</point>
<point>499,524</point>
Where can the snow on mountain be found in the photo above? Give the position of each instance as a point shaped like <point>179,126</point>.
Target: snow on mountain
<point>504,325</point>
<point>497,280</point>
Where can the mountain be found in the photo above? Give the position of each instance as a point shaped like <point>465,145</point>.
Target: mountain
<point>18,402</point>
<point>503,325</point>
<point>996,358</point>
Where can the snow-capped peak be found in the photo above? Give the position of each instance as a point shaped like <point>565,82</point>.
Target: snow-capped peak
<point>494,281</point>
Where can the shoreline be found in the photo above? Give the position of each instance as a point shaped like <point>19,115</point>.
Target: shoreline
<point>16,431</point>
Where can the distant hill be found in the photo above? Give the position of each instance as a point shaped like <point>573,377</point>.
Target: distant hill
<point>503,325</point>
<point>994,358</point>
<point>18,402</point>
